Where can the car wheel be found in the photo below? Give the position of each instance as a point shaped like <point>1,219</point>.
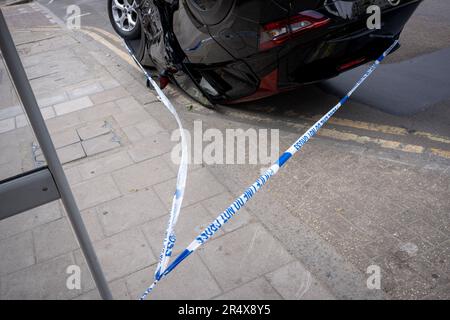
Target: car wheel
<point>124,18</point>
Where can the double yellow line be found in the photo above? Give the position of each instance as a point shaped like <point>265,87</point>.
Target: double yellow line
<point>392,130</point>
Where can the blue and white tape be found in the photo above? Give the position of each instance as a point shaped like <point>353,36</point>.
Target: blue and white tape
<point>170,237</point>
<point>232,210</point>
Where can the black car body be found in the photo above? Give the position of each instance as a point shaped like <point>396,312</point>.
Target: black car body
<point>239,50</point>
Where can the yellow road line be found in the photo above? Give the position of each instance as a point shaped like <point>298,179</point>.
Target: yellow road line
<point>365,126</point>
<point>432,137</point>
<point>38,29</point>
<point>383,143</point>
<point>388,144</point>
<point>123,55</point>
<point>441,153</point>
<point>347,136</point>
<point>382,128</point>
<point>107,34</point>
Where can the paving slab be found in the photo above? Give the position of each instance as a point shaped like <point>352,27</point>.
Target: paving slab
<point>45,101</point>
<point>106,164</point>
<point>109,83</point>
<point>66,152</point>
<point>118,289</point>
<point>142,175</point>
<point>129,211</point>
<point>101,144</point>
<point>129,104</point>
<point>129,246</point>
<point>93,225</point>
<point>126,119</point>
<point>70,153</point>
<point>93,130</point>
<point>41,281</point>
<point>16,253</point>
<point>54,239</point>
<point>98,112</point>
<point>132,134</point>
<point>149,127</point>
<point>72,174</point>
<point>72,105</point>
<point>109,95</point>
<point>61,123</point>
<point>7,125</point>
<point>192,281</point>
<point>21,121</point>
<point>258,289</point>
<point>65,138</point>
<point>95,191</point>
<point>84,90</point>
<point>151,147</point>
<point>243,255</point>
<point>10,112</point>
<point>30,219</point>
<point>294,282</point>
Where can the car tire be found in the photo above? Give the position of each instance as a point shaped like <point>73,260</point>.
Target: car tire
<point>129,27</point>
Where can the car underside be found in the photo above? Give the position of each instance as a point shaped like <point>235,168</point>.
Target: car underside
<point>241,50</point>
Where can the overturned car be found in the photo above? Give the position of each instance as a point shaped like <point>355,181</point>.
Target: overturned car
<point>229,51</point>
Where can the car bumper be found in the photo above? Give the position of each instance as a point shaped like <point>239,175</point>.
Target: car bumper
<point>324,54</point>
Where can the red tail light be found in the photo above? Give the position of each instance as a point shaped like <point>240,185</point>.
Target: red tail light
<point>163,81</point>
<point>276,33</point>
<point>351,64</point>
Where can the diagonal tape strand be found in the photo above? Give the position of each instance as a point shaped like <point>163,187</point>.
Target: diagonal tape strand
<point>229,212</point>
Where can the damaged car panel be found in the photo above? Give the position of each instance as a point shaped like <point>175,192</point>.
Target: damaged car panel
<point>241,50</point>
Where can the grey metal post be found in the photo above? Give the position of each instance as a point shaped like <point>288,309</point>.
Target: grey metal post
<point>28,99</point>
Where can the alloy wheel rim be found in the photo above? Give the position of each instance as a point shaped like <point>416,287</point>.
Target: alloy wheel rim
<point>125,14</point>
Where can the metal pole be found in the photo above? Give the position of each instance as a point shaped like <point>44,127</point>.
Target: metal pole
<point>28,99</point>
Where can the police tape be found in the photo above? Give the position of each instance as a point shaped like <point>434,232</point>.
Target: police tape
<point>170,237</point>
<point>229,212</point>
